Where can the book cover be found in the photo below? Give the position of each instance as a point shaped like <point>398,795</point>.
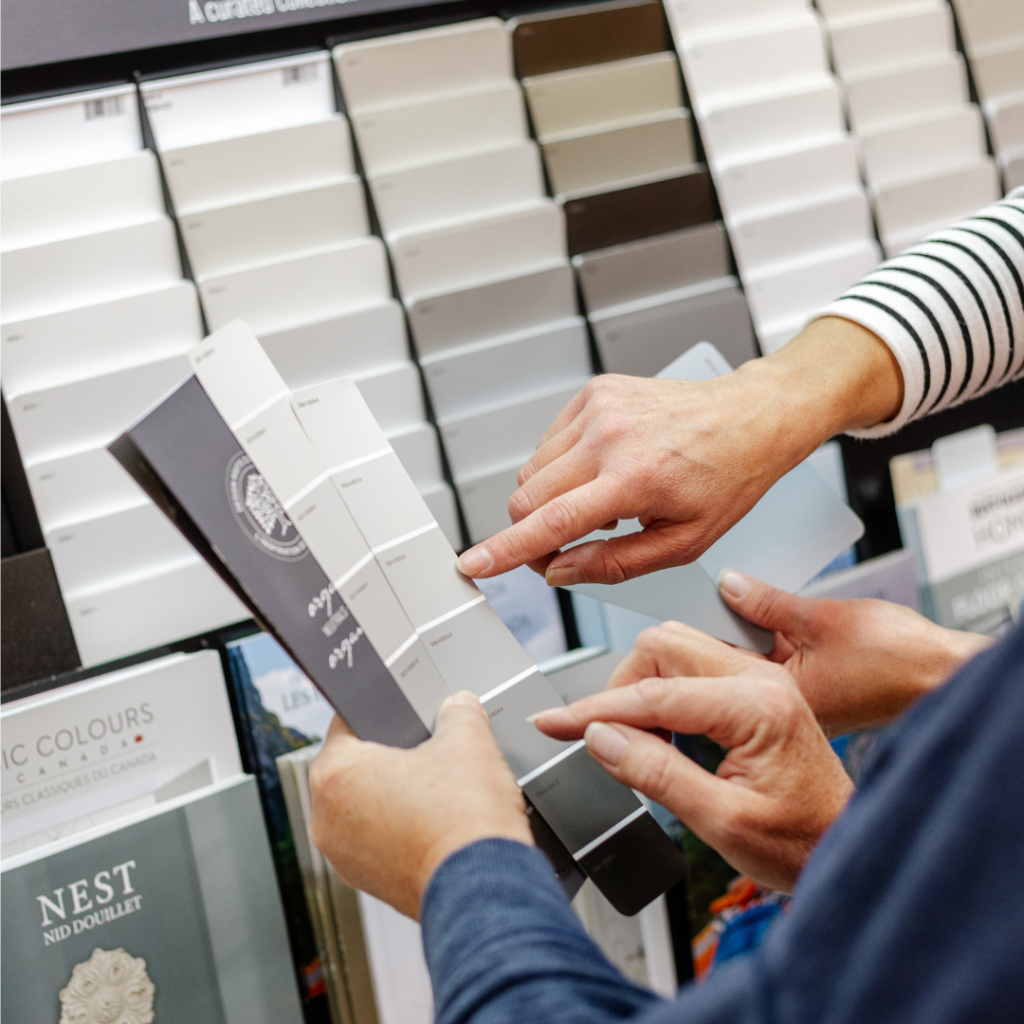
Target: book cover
<point>970,543</point>
<point>170,915</point>
<point>280,711</point>
<point>90,752</point>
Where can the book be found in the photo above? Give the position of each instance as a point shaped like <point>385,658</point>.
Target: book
<point>93,751</point>
<point>280,711</point>
<point>171,914</point>
<point>346,567</point>
<point>960,506</point>
<point>378,974</point>
<point>885,578</point>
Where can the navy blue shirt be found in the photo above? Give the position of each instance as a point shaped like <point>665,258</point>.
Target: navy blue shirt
<point>911,910</point>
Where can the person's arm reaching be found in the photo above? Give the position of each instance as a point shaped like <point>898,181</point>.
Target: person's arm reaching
<point>940,324</point>
<point>689,459</point>
<point>951,310</point>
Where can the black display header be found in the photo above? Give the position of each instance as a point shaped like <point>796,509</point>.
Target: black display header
<point>48,31</point>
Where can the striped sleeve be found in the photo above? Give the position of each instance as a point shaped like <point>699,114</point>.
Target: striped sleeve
<point>951,309</point>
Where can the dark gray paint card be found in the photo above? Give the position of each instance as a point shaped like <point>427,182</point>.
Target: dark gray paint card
<point>641,338</point>
<point>450,319</point>
<point>382,499</point>
<point>525,747</point>
<point>475,651</point>
<point>580,800</point>
<point>422,573</point>
<point>624,273</point>
<point>635,865</point>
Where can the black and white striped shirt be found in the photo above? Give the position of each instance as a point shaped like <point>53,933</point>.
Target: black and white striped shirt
<point>951,309</point>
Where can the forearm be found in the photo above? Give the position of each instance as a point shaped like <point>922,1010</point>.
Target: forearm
<point>834,376</point>
<point>950,310</point>
<point>502,944</point>
<point>932,327</point>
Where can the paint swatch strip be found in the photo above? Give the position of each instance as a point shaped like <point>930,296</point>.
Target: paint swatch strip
<point>371,533</point>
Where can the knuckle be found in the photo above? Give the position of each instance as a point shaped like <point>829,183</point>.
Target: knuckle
<point>519,506</point>
<point>654,771</point>
<point>655,692</point>
<point>651,639</point>
<point>324,780</point>
<point>559,516</point>
<point>777,698</point>
<point>613,427</point>
<point>612,568</point>
<point>768,602</point>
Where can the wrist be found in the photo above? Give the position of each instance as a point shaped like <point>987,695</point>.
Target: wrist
<point>952,648</point>
<point>453,841</point>
<point>836,376</point>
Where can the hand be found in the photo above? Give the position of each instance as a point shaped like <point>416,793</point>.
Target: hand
<point>688,459</point>
<point>779,787</point>
<point>387,818</point>
<point>858,663</point>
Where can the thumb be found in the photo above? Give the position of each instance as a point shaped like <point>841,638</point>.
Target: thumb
<point>764,605</point>
<point>459,712</point>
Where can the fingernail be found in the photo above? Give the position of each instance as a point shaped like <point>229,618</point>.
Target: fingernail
<point>475,561</point>
<point>539,714</point>
<point>734,584</point>
<point>564,576</point>
<point>605,743</point>
<point>466,697</point>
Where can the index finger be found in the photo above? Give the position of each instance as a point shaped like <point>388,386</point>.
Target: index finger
<point>724,708</point>
<point>564,519</point>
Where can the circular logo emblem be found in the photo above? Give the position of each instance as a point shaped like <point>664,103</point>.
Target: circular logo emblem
<point>259,513</point>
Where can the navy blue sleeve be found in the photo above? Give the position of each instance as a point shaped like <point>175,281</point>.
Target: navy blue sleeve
<point>910,911</point>
<point>520,953</point>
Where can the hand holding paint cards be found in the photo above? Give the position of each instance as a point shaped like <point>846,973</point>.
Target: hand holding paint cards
<point>301,505</point>
<point>786,539</point>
